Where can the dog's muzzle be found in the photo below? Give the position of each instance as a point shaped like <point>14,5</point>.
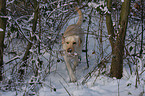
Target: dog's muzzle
<point>71,54</point>
<point>69,50</point>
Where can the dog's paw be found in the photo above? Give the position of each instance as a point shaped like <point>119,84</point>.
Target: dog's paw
<point>73,79</point>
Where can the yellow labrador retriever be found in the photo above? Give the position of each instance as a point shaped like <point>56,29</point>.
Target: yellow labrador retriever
<point>72,42</point>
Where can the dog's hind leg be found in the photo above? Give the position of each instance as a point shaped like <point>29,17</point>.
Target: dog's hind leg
<point>70,71</point>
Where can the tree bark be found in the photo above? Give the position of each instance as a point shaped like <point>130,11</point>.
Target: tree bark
<point>27,52</point>
<point>2,33</point>
<point>118,42</point>
<point>109,24</point>
<point>118,50</point>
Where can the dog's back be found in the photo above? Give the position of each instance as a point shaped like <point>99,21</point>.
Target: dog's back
<point>75,29</point>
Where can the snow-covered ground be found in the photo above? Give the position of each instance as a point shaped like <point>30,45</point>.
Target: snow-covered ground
<point>100,86</point>
<point>57,82</point>
<point>96,86</point>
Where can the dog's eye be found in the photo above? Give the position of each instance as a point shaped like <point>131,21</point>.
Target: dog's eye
<point>67,42</point>
<point>74,43</point>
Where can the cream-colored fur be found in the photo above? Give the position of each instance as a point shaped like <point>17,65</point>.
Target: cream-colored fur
<point>72,42</point>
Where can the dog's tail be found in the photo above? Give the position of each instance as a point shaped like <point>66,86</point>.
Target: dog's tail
<point>80,20</point>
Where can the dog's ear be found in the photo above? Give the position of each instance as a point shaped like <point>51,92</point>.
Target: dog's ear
<point>63,39</point>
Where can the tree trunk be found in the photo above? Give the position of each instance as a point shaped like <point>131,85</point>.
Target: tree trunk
<point>109,24</point>
<point>36,7</point>
<point>27,52</point>
<point>118,44</point>
<point>2,33</point>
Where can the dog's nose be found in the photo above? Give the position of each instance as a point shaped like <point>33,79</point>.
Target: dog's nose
<point>69,50</point>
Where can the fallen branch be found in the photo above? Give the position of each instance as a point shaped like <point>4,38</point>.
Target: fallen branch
<point>65,88</point>
<point>17,57</point>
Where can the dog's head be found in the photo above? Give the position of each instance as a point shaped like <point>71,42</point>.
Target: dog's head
<point>71,44</point>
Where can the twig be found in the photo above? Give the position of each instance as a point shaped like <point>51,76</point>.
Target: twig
<point>22,33</point>
<point>50,86</point>
<point>63,78</point>
<point>65,88</point>
<point>141,49</point>
<point>17,57</point>
<point>118,81</point>
<point>133,39</point>
<point>87,38</point>
<point>142,72</point>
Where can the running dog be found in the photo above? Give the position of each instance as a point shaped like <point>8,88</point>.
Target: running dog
<point>72,43</point>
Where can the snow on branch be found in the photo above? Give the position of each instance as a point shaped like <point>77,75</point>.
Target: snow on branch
<point>101,6</point>
<point>1,29</point>
<point>122,0</point>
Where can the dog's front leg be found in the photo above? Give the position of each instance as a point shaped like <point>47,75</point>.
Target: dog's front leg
<point>75,62</point>
<point>70,71</point>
